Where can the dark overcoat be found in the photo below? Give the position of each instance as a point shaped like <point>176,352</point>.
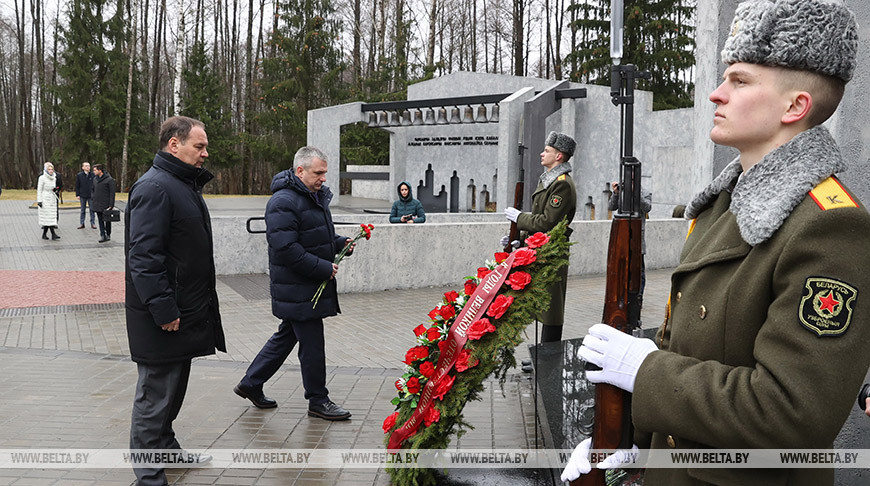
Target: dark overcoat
<point>170,269</point>
<point>104,193</point>
<point>85,184</point>
<point>302,247</point>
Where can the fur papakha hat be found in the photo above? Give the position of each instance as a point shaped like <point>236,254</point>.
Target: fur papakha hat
<point>561,142</point>
<point>811,35</point>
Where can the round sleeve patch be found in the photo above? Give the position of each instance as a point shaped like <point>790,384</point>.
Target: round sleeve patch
<point>556,201</point>
<point>826,307</point>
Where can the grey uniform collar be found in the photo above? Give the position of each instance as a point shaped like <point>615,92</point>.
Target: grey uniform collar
<point>768,192</point>
<point>550,176</point>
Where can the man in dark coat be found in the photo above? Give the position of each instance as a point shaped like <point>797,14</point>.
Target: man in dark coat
<point>103,200</point>
<point>171,302</point>
<point>302,247</point>
<point>84,193</point>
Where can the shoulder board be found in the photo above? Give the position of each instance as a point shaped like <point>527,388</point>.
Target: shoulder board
<point>830,194</point>
<point>562,177</point>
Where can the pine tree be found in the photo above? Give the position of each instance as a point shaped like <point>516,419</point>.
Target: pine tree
<point>92,91</point>
<point>306,73</point>
<point>658,38</point>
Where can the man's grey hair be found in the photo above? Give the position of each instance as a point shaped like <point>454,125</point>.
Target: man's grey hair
<point>306,155</point>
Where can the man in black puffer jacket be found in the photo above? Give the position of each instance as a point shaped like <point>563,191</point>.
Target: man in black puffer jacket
<point>172,306</point>
<point>302,247</point>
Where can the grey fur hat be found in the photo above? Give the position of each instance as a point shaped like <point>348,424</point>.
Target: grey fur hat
<point>811,35</point>
<point>561,142</point>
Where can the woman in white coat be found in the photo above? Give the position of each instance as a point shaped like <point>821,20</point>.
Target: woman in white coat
<point>46,199</point>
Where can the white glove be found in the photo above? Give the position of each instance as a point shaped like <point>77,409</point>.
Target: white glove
<point>511,214</point>
<point>618,354</point>
<point>579,464</point>
<point>505,240</point>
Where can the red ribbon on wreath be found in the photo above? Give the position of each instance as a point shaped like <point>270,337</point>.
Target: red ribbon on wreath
<point>457,336</point>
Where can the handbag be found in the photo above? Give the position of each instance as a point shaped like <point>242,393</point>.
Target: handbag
<point>113,215</point>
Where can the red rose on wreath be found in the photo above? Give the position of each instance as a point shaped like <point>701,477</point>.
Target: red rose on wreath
<point>390,421</point>
<point>470,286</point>
<point>537,240</point>
<point>415,353</point>
<point>419,330</point>
<point>524,256</point>
<point>518,280</point>
<point>501,256</point>
<point>431,416</point>
<point>462,361</point>
<point>499,306</point>
<point>451,296</point>
<point>482,272</point>
<point>433,334</point>
<point>447,311</point>
<point>443,386</point>
<point>413,385</point>
<point>433,314</point>
<point>427,369</point>
<point>478,328</point>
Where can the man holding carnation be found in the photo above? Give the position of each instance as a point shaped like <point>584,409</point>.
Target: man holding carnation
<point>302,249</point>
<point>554,199</point>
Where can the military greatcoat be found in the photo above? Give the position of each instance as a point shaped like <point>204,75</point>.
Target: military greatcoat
<point>550,204</point>
<point>765,344</point>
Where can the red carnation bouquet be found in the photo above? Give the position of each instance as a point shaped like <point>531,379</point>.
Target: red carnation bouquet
<point>365,231</point>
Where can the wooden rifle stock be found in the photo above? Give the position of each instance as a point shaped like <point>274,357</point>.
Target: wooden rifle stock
<point>612,427</point>
<point>514,235</point>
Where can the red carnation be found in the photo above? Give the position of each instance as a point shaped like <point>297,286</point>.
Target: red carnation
<point>524,256</point>
<point>433,314</point>
<point>433,334</point>
<point>398,384</point>
<point>499,306</point>
<point>390,421</point>
<point>443,386</point>
<point>413,385</point>
<point>470,286</point>
<point>415,353</point>
<point>451,296</point>
<point>463,361</point>
<point>501,256</point>
<point>518,280</point>
<point>419,330</point>
<point>427,369</point>
<point>431,416</point>
<point>537,240</point>
<point>482,272</point>
<point>447,311</point>
<point>480,327</point>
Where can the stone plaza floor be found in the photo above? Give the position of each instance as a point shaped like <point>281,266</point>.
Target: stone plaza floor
<point>68,381</point>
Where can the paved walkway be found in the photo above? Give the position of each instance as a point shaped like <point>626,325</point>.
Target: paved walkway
<point>68,381</point>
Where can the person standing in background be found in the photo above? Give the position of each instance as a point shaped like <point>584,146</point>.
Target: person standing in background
<point>103,200</point>
<point>84,192</point>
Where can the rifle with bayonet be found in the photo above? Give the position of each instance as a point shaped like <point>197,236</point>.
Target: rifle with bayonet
<point>612,427</point>
<point>519,191</point>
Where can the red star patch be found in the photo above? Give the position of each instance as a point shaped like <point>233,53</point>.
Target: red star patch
<point>829,302</point>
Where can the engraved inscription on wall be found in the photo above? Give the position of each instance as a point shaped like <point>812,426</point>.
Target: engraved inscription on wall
<point>453,141</point>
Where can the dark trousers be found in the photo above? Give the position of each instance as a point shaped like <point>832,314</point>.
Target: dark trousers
<point>159,395</point>
<point>312,358</point>
<point>105,226</point>
<point>86,201</point>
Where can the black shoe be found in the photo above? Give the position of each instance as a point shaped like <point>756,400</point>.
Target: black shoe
<point>103,240</point>
<point>44,237</point>
<point>526,362</point>
<point>527,368</point>
<point>328,411</point>
<point>258,399</point>
<point>55,237</point>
